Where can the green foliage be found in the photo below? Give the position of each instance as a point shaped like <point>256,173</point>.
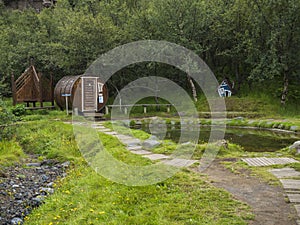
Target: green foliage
<point>6,121</point>
<point>254,43</point>
<point>10,152</point>
<point>52,139</point>
<point>19,110</point>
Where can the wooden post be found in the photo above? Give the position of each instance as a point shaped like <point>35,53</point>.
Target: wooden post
<point>106,110</point>
<point>168,108</point>
<point>145,109</point>
<point>41,90</point>
<point>52,89</point>
<point>125,110</point>
<point>14,89</point>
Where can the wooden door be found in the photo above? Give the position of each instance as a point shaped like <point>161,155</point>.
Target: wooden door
<point>89,94</point>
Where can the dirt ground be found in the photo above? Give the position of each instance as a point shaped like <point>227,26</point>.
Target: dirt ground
<point>267,202</point>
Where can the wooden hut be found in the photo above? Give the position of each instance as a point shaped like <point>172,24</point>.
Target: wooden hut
<point>225,89</point>
<point>32,87</point>
<point>86,93</point>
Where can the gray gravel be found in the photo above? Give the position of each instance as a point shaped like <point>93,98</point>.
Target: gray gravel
<point>24,187</point>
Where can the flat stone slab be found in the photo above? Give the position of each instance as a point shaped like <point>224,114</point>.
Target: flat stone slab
<point>135,148</point>
<point>141,152</point>
<point>104,130</point>
<point>156,156</point>
<point>123,137</point>
<point>180,162</point>
<point>290,184</point>
<point>298,209</point>
<point>263,161</point>
<point>131,142</point>
<point>98,126</point>
<point>113,133</point>
<point>294,198</point>
<point>285,173</point>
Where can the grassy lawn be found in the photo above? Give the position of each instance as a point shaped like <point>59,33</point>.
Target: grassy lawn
<point>84,197</point>
<point>12,156</point>
<point>87,198</point>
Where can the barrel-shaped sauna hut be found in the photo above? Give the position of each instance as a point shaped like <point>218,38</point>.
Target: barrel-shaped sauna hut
<point>86,93</point>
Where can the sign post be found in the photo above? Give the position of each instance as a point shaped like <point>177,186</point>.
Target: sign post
<point>67,104</point>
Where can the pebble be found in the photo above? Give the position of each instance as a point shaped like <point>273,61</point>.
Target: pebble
<point>18,197</point>
<point>33,164</point>
<point>66,164</point>
<point>16,221</point>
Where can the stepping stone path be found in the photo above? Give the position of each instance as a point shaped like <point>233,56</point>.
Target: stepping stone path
<point>134,145</point>
<point>290,180</point>
<point>263,161</point>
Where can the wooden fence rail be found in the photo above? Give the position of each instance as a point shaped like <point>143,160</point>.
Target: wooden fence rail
<point>125,107</point>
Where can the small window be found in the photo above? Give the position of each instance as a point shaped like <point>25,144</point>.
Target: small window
<point>100,87</point>
<point>100,99</point>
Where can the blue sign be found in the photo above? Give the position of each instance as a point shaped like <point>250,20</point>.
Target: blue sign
<point>65,95</point>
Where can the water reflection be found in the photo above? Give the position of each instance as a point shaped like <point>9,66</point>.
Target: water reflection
<point>253,140</point>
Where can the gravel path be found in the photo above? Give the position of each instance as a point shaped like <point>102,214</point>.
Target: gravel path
<point>267,201</point>
<point>24,187</point>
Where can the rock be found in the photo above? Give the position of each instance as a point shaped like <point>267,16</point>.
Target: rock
<point>37,201</point>
<point>16,221</point>
<point>294,128</point>
<point>26,190</point>
<point>153,137</point>
<point>186,143</point>
<point>239,118</point>
<point>47,190</point>
<point>44,177</point>
<point>50,184</point>
<point>34,164</point>
<point>2,174</point>
<point>296,145</point>
<point>138,122</point>
<point>150,144</point>
<point>223,143</point>
<point>66,164</point>
<point>281,126</point>
<point>48,162</point>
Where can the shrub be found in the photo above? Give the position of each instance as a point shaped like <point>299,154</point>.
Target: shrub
<point>6,119</point>
<point>19,110</point>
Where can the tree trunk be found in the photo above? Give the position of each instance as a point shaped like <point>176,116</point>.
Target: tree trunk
<point>285,88</point>
<point>194,91</point>
<point>237,76</point>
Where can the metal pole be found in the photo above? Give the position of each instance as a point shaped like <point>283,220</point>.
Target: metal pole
<point>67,105</point>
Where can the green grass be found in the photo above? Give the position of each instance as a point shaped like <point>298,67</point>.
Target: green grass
<point>254,105</point>
<point>52,139</point>
<point>10,152</point>
<point>87,198</point>
<point>84,197</point>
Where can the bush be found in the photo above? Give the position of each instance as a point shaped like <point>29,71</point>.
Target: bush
<point>19,110</point>
<point>6,119</point>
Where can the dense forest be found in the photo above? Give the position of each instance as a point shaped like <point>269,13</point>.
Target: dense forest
<point>256,43</point>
